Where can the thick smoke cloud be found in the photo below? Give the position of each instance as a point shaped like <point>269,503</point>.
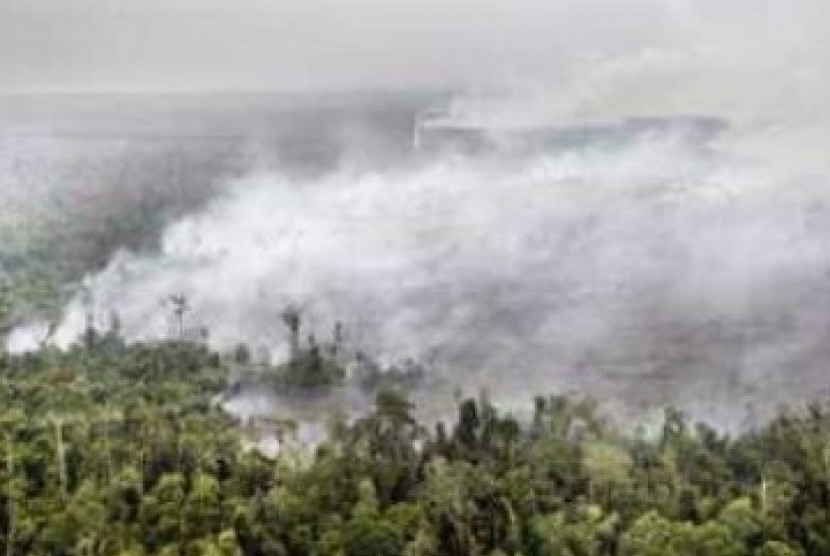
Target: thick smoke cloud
<point>653,271</point>
<point>660,265</point>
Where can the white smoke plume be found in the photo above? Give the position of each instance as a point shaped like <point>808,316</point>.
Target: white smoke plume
<point>660,268</point>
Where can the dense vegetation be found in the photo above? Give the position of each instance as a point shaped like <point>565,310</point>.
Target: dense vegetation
<point>109,448</point>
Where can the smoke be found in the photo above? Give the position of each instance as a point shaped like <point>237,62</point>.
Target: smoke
<point>67,202</point>
<point>84,176</point>
<point>654,267</point>
<point>637,260</point>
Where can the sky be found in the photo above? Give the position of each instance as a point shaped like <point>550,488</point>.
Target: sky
<point>253,45</point>
<point>267,45</point>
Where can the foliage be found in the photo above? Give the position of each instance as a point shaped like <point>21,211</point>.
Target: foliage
<point>115,449</point>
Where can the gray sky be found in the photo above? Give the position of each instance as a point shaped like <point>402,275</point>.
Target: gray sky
<point>163,45</point>
<point>185,45</point>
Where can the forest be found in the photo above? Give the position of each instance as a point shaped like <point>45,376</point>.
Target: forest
<point>414,278</point>
<point>117,448</point>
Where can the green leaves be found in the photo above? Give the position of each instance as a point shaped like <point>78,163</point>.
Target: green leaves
<point>108,452</point>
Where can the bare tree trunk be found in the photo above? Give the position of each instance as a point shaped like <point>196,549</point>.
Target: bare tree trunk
<point>10,509</point>
<point>763,496</point>
<point>59,447</point>
<point>107,447</point>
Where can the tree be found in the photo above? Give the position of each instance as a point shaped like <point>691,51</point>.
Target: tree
<point>778,548</point>
<point>179,305</point>
<point>608,468</point>
<point>649,535</point>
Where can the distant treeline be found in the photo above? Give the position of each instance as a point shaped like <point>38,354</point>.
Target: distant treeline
<point>120,449</point>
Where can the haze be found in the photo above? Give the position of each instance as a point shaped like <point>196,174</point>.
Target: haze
<point>245,45</point>
<point>651,266</point>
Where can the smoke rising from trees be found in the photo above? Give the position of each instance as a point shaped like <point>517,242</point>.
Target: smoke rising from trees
<point>655,265</point>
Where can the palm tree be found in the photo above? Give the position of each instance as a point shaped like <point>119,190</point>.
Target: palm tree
<point>180,306</point>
